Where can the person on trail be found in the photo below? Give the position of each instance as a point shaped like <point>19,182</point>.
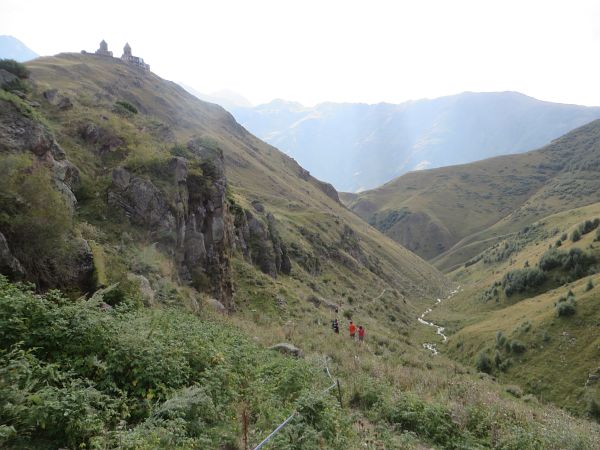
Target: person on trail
<point>352,329</point>
<point>361,333</point>
<point>336,326</point>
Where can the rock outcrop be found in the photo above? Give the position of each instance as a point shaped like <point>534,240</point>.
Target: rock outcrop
<point>21,134</point>
<point>260,242</point>
<point>9,265</point>
<point>191,220</point>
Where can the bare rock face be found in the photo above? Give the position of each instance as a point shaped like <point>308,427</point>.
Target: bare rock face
<point>9,265</point>
<point>141,201</point>
<point>20,134</point>
<point>260,243</point>
<point>191,220</point>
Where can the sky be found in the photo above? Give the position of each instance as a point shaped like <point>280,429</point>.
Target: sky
<point>342,51</point>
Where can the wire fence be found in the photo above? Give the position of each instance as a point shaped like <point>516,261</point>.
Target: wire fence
<point>335,383</point>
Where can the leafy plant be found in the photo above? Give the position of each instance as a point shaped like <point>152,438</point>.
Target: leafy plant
<point>16,68</point>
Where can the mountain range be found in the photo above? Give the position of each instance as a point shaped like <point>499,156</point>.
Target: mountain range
<point>357,146</point>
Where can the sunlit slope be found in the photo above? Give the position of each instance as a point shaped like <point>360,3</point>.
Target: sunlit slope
<point>450,214</point>
<point>559,352</point>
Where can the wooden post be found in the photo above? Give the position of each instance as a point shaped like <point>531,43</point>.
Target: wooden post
<point>339,389</point>
<point>245,426</point>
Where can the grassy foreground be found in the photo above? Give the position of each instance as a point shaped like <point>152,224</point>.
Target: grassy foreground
<point>74,374</point>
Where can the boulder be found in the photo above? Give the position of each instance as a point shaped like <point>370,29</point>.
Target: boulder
<point>288,349</point>
<point>64,103</point>
<point>216,305</point>
<point>103,140</point>
<point>50,95</point>
<point>146,290</point>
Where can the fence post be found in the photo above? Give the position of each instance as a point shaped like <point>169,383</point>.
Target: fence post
<point>339,389</point>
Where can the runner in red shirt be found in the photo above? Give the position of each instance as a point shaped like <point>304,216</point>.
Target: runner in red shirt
<point>361,333</point>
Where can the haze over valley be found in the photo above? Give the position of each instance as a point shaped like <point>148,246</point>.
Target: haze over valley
<point>403,255</point>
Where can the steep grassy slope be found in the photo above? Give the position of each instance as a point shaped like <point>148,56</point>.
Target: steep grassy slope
<point>449,215</point>
<point>559,352</point>
<point>255,171</point>
<point>360,146</point>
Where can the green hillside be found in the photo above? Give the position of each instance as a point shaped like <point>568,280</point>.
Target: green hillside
<point>554,321</point>
<point>154,250</point>
<point>451,214</point>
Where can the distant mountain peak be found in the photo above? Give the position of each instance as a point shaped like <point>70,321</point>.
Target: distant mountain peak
<point>12,48</point>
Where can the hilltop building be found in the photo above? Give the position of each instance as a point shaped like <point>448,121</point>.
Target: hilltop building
<point>127,56</point>
<point>135,60</point>
<point>103,50</point>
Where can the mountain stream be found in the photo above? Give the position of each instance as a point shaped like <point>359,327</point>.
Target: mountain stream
<point>439,330</point>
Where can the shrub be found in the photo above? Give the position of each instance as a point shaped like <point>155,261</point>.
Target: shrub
<point>14,67</point>
<point>483,363</point>
<point>593,409</point>
<point>70,372</point>
<point>597,235</point>
<point>588,226</point>
<point>505,364</point>
<point>124,107</point>
<point>500,339</point>
<point>517,347</point>
<point>522,280</point>
<point>575,262</point>
<point>590,285</point>
<point>563,237</point>
<point>430,420</point>
<point>565,308</point>
<point>576,235</point>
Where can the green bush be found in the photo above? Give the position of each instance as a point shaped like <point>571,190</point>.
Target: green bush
<point>14,67</point>
<point>565,308</point>
<point>126,106</point>
<point>71,372</point>
<point>576,235</point>
<point>576,263</point>
<point>483,363</point>
<point>588,226</point>
<point>590,285</point>
<point>522,280</point>
<point>517,347</point>
<point>430,420</point>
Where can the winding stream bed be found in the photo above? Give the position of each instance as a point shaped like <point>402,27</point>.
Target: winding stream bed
<point>439,330</point>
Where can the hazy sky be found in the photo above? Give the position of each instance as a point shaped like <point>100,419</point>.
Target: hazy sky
<point>314,51</point>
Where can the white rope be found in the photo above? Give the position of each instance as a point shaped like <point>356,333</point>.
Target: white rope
<point>285,422</point>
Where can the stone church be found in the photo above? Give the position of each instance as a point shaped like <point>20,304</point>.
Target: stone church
<point>126,57</point>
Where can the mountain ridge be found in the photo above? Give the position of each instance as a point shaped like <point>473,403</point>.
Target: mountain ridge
<point>369,145</point>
